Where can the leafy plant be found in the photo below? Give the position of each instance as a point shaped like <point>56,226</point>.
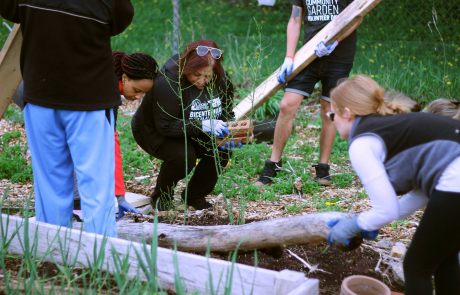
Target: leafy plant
<point>14,115</point>
<point>13,163</point>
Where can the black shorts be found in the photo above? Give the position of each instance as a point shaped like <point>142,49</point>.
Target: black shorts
<point>326,72</point>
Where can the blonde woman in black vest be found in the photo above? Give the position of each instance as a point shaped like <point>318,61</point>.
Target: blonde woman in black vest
<point>416,156</point>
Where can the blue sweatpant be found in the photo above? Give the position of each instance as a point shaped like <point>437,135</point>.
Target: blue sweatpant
<point>62,142</point>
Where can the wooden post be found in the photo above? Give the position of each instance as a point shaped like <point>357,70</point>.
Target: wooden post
<point>334,30</point>
<point>63,245</point>
<point>10,72</point>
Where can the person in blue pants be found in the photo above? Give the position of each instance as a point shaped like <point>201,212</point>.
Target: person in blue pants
<point>70,94</point>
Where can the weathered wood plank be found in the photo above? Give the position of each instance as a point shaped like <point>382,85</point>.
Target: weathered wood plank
<point>10,72</point>
<point>334,30</point>
<point>60,245</point>
<point>296,230</point>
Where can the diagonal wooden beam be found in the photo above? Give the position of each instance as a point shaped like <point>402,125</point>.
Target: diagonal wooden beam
<point>10,72</point>
<point>353,14</point>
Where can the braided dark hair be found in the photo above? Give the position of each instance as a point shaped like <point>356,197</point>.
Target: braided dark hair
<point>136,66</point>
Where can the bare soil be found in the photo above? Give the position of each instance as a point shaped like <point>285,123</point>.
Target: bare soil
<point>329,265</point>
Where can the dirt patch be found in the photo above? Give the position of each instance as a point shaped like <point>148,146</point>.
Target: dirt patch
<point>329,265</point>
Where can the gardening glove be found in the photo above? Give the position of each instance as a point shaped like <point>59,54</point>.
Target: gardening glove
<point>124,206</point>
<point>323,49</point>
<point>230,145</point>
<point>286,70</point>
<point>216,127</point>
<point>344,230</point>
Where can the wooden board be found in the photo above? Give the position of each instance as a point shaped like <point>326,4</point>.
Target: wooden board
<point>10,72</point>
<point>334,30</point>
<point>61,245</point>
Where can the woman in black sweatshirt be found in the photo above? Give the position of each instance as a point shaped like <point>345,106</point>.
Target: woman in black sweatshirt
<point>179,120</point>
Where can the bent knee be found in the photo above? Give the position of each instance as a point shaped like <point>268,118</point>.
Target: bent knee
<point>289,105</point>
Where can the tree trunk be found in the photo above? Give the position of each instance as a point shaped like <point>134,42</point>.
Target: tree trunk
<point>280,232</point>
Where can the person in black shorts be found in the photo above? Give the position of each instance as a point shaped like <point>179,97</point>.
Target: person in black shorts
<point>333,63</point>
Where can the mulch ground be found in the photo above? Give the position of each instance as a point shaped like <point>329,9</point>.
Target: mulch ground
<point>331,266</point>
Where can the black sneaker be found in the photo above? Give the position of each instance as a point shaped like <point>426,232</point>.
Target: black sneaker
<point>199,204</point>
<point>322,174</point>
<point>270,170</point>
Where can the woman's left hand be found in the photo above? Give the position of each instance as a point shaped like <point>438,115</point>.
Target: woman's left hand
<point>345,229</point>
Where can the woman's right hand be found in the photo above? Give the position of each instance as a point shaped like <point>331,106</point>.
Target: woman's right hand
<point>216,127</point>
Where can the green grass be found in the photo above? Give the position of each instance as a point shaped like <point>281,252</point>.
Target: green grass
<point>419,61</point>
<point>13,163</point>
<point>423,64</point>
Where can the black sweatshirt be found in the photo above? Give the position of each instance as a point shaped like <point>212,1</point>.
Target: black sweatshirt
<point>174,107</point>
<point>66,57</point>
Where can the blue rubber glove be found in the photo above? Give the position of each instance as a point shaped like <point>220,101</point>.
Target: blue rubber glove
<point>370,235</point>
<point>323,49</point>
<point>124,206</point>
<point>346,228</point>
<point>216,127</point>
<point>286,70</point>
<point>230,145</point>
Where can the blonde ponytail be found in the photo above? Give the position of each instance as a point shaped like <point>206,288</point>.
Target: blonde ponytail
<point>362,95</point>
<point>445,107</point>
<point>399,103</point>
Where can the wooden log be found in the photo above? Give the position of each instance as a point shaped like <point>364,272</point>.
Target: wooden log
<point>334,30</point>
<point>10,72</point>
<point>280,232</point>
<point>196,273</point>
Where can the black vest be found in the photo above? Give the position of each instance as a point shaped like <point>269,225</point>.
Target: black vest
<point>404,131</point>
<point>419,147</point>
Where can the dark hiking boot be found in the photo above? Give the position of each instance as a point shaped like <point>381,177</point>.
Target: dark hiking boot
<point>322,174</point>
<point>199,204</point>
<point>269,171</point>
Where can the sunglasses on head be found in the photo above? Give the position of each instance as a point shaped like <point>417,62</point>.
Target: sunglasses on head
<point>331,115</point>
<point>202,50</point>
